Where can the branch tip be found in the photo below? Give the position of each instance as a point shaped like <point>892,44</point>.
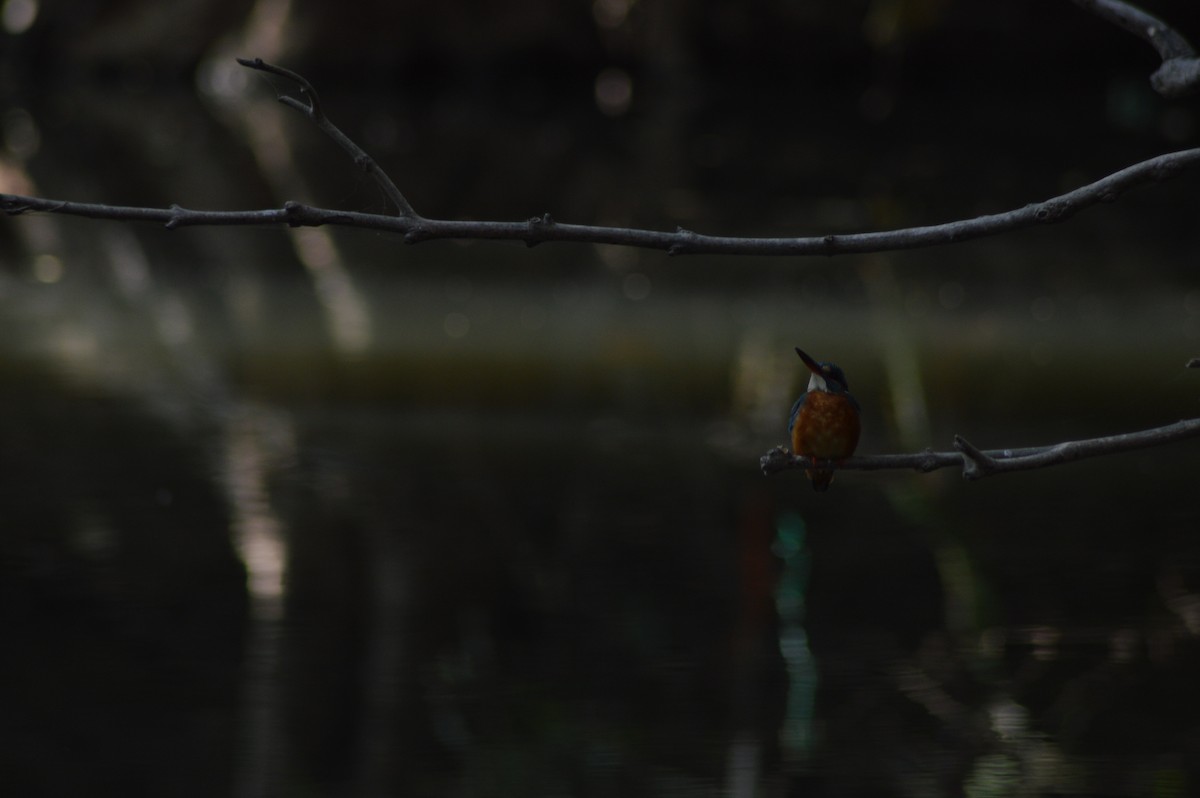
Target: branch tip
<point>775,460</point>
<point>1179,73</point>
<point>313,107</point>
<point>1177,77</point>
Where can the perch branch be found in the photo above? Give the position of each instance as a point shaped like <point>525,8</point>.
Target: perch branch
<point>978,463</point>
<point>1179,73</point>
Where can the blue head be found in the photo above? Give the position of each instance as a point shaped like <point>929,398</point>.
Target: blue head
<point>827,377</point>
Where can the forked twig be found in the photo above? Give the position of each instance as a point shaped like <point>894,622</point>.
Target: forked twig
<point>312,109</point>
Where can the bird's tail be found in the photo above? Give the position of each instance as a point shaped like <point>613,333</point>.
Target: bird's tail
<point>821,477</point>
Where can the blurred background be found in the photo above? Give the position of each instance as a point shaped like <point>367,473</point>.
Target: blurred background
<point>317,513</point>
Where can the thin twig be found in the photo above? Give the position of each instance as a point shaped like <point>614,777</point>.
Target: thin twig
<point>1179,73</point>
<point>540,229</point>
<point>978,463</point>
<point>312,109</point>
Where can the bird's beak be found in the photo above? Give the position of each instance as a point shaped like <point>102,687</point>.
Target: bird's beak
<point>813,366</point>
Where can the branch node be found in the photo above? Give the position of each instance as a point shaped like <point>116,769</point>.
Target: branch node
<point>976,464</point>
<point>177,214</point>
<point>537,226</point>
<point>1049,212</point>
<point>928,461</point>
<point>296,213</point>
<point>684,240</point>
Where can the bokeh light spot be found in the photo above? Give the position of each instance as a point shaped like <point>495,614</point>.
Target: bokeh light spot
<point>614,91</point>
<point>21,135</point>
<point>47,269</point>
<point>18,16</point>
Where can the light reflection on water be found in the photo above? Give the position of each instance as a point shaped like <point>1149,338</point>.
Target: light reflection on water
<point>258,534</point>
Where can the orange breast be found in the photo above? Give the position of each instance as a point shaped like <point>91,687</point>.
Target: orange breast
<point>827,427</point>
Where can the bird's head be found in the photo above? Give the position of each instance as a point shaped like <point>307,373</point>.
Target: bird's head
<point>827,377</point>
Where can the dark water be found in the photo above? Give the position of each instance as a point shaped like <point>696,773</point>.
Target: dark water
<point>390,581</point>
<point>297,513</point>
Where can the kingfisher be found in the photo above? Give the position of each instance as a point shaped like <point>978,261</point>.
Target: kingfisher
<point>824,421</point>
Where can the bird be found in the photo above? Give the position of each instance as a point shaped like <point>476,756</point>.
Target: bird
<point>824,422</point>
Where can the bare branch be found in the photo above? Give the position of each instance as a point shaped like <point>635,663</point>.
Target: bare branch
<point>312,109</point>
<point>1179,73</point>
<point>539,229</point>
<point>977,463</point>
